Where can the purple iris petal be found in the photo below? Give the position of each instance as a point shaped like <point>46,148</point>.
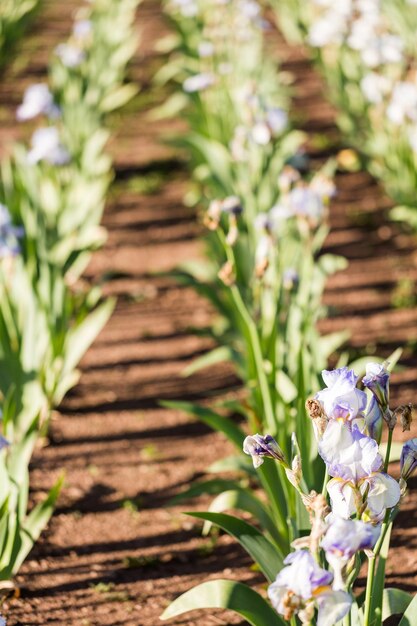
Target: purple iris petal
<point>341,399</point>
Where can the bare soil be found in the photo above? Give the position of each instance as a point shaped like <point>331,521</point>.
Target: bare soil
<point>115,553</point>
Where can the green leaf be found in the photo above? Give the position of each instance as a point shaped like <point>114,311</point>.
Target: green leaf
<point>394,602</point>
<point>216,421</point>
<point>245,500</point>
<point>286,388</point>
<point>259,547</point>
<point>328,344</point>
<point>379,581</point>
<point>225,594</point>
<point>232,464</point>
<point>218,355</point>
<point>210,487</point>
<point>34,524</point>
<point>119,97</point>
<point>410,616</point>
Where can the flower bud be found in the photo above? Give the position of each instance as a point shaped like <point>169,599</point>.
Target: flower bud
<point>294,474</point>
<point>259,447</point>
<point>232,205</point>
<point>227,274</point>
<point>233,233</point>
<point>377,381</point>
<point>212,217</point>
<point>373,419</point>
<point>408,463</point>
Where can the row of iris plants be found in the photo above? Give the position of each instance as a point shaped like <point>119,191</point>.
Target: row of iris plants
<point>318,490</point>
<point>14,17</point>
<point>367,52</point>
<point>52,195</point>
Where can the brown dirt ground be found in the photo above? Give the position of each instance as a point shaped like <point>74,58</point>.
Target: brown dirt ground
<point>115,553</point>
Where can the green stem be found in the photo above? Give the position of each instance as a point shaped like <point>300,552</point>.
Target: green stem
<point>369,589</point>
<point>387,455</point>
<point>255,343</point>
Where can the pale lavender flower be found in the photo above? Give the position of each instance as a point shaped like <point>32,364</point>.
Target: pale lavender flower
<point>205,49</point>
<point>260,133</point>
<point>302,585</point>
<point>9,234</point>
<point>306,202</point>
<point>383,49</point>
<point>375,87</point>
<point>82,29</point>
<point>259,447</point>
<point>403,104</point>
<point>70,56</point>
<point>37,100</point>
<point>277,120</point>
<point>377,381</point>
<point>47,146</point>
<point>187,8</point>
<point>348,453</point>
<point>341,399</point>
<point>198,82</point>
<point>345,537</point>
<point>354,462</point>
<point>408,463</point>
<point>382,493</point>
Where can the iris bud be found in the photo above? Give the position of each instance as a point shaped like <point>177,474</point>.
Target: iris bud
<point>408,463</point>
<point>259,447</point>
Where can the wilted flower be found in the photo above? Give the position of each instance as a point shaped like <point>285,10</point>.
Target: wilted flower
<point>341,399</point>
<point>408,463</point>
<point>37,100</point>
<point>47,146</point>
<point>301,586</point>
<point>259,447</point>
<point>70,56</point>
<point>198,82</point>
<point>405,414</point>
